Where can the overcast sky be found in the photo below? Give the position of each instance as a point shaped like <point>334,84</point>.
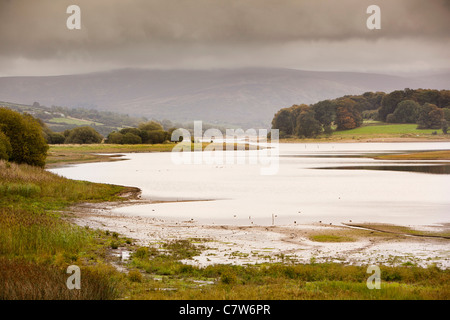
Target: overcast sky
<point>201,34</point>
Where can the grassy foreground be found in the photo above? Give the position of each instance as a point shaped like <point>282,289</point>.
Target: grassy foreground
<point>38,242</point>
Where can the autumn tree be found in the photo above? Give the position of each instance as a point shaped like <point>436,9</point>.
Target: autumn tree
<point>347,115</point>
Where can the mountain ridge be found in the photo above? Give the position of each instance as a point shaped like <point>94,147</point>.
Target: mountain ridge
<point>246,97</point>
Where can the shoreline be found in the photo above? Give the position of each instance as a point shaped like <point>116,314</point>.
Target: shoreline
<point>253,244</point>
<point>256,244</point>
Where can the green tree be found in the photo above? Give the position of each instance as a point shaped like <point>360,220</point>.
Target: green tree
<point>84,135</point>
<point>55,138</point>
<point>150,126</point>
<point>446,114</point>
<point>444,126</point>
<point>407,111</point>
<point>389,103</point>
<point>157,136</point>
<point>131,138</point>
<point>391,118</point>
<point>307,125</point>
<point>325,112</point>
<point>115,138</point>
<point>25,135</point>
<point>283,122</point>
<point>430,117</point>
<point>5,147</point>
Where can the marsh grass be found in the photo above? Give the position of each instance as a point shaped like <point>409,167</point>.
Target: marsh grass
<point>37,243</point>
<point>403,230</point>
<point>426,155</point>
<point>276,280</point>
<point>26,280</point>
<point>25,186</point>
<point>331,238</point>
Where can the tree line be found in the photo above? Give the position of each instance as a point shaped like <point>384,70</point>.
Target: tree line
<point>425,107</point>
<point>25,139</point>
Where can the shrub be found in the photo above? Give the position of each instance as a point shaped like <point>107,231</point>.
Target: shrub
<point>135,276</point>
<point>55,138</point>
<point>115,138</point>
<point>444,126</point>
<point>25,135</point>
<point>131,138</point>
<point>391,118</point>
<point>84,135</point>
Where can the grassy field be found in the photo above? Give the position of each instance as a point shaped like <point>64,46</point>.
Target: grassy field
<point>78,122</point>
<point>375,131</point>
<point>387,129</point>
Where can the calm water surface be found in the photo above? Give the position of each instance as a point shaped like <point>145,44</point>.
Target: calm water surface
<point>351,188</point>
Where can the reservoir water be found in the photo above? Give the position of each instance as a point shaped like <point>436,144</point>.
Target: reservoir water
<point>331,183</point>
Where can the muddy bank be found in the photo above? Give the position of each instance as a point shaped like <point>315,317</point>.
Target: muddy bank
<point>231,244</point>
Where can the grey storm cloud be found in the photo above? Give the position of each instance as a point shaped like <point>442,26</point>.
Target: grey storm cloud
<point>161,30</point>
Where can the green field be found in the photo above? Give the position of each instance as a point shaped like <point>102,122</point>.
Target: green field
<point>78,122</point>
<point>387,129</point>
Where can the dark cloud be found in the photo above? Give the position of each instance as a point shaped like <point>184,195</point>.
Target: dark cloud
<point>172,32</point>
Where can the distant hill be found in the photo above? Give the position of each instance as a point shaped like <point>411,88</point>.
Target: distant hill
<point>59,119</point>
<point>245,97</point>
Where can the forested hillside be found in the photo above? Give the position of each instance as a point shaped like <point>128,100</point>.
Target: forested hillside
<point>429,109</point>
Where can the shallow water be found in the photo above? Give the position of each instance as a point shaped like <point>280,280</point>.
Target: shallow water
<point>297,193</point>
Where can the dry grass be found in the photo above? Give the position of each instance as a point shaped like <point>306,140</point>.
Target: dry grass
<point>427,155</point>
<point>25,280</point>
<point>402,230</point>
<point>36,243</point>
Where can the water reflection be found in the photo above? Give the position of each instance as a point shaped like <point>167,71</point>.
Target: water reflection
<point>298,193</point>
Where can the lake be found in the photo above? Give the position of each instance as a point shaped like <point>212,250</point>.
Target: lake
<point>326,182</point>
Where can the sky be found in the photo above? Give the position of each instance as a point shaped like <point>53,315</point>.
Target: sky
<point>320,35</point>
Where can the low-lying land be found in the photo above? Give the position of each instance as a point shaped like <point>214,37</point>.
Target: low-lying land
<point>49,222</point>
<point>426,155</point>
<point>84,153</point>
<point>379,132</point>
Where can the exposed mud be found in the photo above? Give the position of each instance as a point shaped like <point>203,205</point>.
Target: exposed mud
<point>232,244</point>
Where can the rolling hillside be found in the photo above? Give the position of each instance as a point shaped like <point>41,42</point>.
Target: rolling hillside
<point>244,97</point>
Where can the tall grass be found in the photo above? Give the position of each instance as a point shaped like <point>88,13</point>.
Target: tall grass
<point>23,233</point>
<point>279,281</point>
<point>36,244</point>
<point>22,185</point>
<point>25,280</point>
